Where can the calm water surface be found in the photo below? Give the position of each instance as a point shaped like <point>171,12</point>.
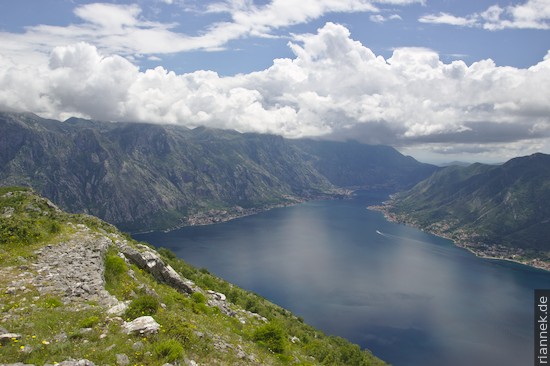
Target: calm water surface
<point>410,297</point>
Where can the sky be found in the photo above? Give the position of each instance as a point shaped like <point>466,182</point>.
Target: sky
<point>439,80</point>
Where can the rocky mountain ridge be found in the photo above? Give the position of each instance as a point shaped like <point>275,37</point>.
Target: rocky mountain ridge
<point>76,292</point>
<point>144,176</point>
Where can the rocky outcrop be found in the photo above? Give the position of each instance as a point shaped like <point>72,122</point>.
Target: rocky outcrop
<point>219,300</point>
<point>144,325</point>
<point>148,260</point>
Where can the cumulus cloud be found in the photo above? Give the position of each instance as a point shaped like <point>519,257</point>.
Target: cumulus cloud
<point>533,14</point>
<point>333,87</point>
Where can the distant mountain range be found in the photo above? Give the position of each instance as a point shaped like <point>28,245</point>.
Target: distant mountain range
<point>146,176</point>
<point>501,211</point>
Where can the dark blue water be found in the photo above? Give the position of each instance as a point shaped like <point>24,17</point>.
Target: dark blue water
<point>410,297</point>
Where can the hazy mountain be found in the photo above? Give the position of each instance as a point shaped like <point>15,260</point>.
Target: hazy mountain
<point>456,162</point>
<point>144,176</point>
<point>484,205</point>
<point>353,164</point>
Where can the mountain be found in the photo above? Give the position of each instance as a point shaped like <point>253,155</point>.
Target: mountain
<point>146,176</point>
<point>352,164</point>
<point>501,211</point>
<point>456,162</point>
<point>76,292</point>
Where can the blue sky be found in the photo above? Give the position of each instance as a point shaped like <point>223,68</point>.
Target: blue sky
<point>440,80</point>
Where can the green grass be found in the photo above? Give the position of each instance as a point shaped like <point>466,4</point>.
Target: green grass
<point>169,350</point>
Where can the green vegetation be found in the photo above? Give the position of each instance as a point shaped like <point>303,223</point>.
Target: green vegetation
<point>53,331</point>
<point>25,219</point>
<point>51,302</point>
<point>141,306</point>
<point>169,350</point>
<point>500,211</point>
<point>272,335</point>
<point>89,322</point>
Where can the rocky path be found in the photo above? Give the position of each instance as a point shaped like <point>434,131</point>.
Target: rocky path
<point>72,270</point>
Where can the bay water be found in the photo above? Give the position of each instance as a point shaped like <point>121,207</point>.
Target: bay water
<point>410,297</point>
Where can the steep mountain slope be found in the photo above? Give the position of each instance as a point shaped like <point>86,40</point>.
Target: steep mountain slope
<point>352,164</point>
<point>496,210</point>
<point>144,176</point>
<point>75,291</point>
<point>141,175</point>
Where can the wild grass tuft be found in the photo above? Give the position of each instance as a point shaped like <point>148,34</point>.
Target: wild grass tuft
<point>169,350</point>
<point>141,306</point>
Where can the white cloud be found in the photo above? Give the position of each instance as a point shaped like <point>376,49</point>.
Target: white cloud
<point>122,29</point>
<point>378,18</point>
<point>333,86</point>
<point>109,18</point>
<point>533,14</point>
<point>446,18</point>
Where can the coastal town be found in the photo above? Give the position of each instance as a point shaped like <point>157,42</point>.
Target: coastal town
<point>215,216</point>
<point>468,240</point>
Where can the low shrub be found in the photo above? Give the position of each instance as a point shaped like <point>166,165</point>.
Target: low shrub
<point>141,306</point>
<point>198,298</point>
<point>114,267</point>
<point>272,336</point>
<point>169,350</point>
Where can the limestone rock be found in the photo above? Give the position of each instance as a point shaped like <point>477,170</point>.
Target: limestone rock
<point>144,325</point>
<point>217,299</point>
<point>83,362</point>
<point>118,309</point>
<point>149,261</point>
<point>122,360</point>
<point>8,337</point>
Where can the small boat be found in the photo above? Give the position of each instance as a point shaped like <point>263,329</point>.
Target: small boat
<point>378,232</point>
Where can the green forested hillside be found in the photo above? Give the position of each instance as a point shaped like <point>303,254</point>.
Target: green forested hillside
<point>484,206</point>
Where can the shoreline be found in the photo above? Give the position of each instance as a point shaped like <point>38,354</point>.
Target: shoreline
<point>221,215</point>
<point>478,252</point>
